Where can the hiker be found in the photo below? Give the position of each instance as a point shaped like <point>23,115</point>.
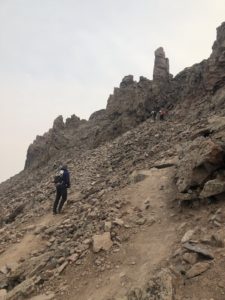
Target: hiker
<point>62,183</point>
<point>162,114</point>
<point>153,114</point>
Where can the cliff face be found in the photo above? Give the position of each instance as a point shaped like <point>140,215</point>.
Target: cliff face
<point>132,103</point>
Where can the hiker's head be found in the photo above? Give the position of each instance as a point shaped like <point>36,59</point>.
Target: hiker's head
<point>64,167</point>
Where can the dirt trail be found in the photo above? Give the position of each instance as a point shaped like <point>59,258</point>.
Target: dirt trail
<point>144,251</point>
<point>30,242</point>
<point>138,257</point>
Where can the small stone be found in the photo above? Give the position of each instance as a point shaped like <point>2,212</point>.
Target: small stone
<point>151,221</point>
<point>221,284</point>
<point>5,270</point>
<point>62,267</point>
<point>197,269</point>
<point>217,223</point>
<point>140,221</point>
<point>87,242</point>
<point>61,260</point>
<point>107,226</point>
<point>187,236</point>
<point>122,274</point>
<point>217,240</point>
<point>50,296</point>
<point>190,258</point>
<point>73,257</point>
<point>199,249</point>
<point>118,221</point>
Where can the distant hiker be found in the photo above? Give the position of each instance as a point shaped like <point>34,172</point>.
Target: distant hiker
<point>62,183</point>
<point>153,114</point>
<point>162,114</point>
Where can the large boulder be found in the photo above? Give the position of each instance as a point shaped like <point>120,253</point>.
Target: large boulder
<point>102,242</point>
<point>212,188</point>
<point>197,269</point>
<point>22,290</point>
<point>199,160</point>
<point>160,287</point>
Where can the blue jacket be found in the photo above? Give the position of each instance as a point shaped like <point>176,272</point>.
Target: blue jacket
<point>66,178</point>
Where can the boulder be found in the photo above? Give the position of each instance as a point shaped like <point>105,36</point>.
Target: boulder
<point>199,249</point>
<point>102,242</point>
<point>22,290</point>
<point>190,258</point>
<point>160,287</point>
<point>136,176</point>
<point>197,269</point>
<point>199,160</point>
<point>212,188</point>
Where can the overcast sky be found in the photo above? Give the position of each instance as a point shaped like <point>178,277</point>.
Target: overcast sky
<point>65,57</point>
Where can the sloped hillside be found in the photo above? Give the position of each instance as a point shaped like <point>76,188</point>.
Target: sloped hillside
<point>145,214</point>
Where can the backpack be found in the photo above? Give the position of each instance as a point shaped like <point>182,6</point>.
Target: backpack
<point>58,177</point>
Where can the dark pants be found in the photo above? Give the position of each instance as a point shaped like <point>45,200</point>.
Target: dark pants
<point>60,199</point>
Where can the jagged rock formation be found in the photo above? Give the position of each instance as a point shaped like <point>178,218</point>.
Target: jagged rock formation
<point>132,102</point>
<point>161,67</point>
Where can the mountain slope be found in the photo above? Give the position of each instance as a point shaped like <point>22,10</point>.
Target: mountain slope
<point>182,157</point>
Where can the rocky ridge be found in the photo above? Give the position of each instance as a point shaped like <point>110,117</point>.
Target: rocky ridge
<point>132,103</point>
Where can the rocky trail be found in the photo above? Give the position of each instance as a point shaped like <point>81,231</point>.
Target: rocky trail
<point>122,231</point>
<point>30,242</point>
<point>144,247</point>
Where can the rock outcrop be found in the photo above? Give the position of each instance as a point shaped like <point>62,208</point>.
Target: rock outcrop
<point>161,67</point>
<point>214,76</point>
<point>132,103</point>
<point>201,168</point>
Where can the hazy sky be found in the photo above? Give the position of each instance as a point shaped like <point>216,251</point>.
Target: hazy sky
<point>65,56</point>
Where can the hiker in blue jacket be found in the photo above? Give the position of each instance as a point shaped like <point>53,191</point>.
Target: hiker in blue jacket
<point>62,183</point>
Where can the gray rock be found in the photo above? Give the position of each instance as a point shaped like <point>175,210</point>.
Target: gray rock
<point>199,249</point>
<point>190,258</point>
<point>197,269</point>
<point>212,188</point>
<point>161,66</point>
<point>22,290</point>
<point>200,159</point>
